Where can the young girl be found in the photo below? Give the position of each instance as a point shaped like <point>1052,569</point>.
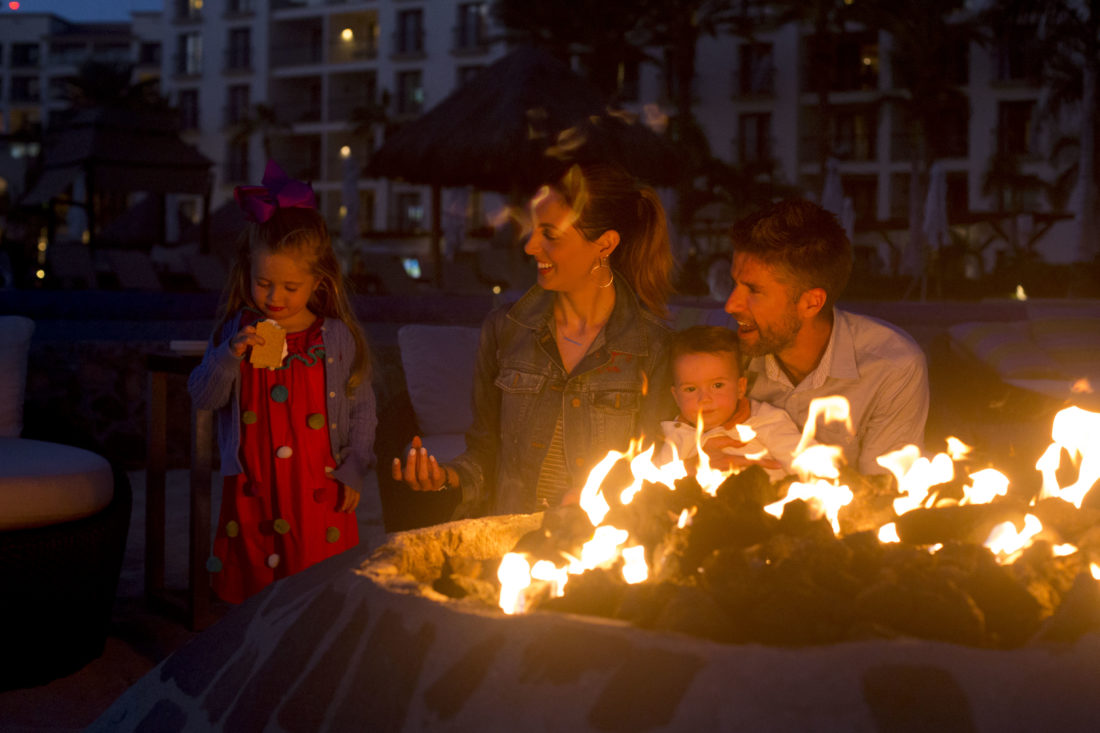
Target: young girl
<point>295,441</point>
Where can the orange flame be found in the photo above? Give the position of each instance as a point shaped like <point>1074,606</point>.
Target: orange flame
<point>832,409</point>
<point>1007,542</point>
<point>989,483</point>
<point>915,475</point>
<point>635,569</point>
<point>592,500</point>
<point>1076,431</point>
<point>824,498</point>
<point>514,575</point>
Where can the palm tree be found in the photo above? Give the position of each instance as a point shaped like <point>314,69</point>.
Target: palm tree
<point>365,120</point>
<point>1013,188</point>
<point>600,34</point>
<point>260,120</point>
<point>675,27</point>
<point>826,19</point>
<point>608,36</point>
<point>1069,38</point>
<point>927,37</point>
<point>107,84</point>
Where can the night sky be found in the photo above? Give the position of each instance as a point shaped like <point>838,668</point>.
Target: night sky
<point>83,10</point>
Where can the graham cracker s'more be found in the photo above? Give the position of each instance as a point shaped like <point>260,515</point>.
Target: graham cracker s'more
<point>270,355</point>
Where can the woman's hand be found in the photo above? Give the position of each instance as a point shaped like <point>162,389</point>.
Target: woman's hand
<point>421,471</point>
<point>244,338</point>
<point>347,499</point>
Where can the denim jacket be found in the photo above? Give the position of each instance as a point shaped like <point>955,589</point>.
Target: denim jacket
<point>618,391</point>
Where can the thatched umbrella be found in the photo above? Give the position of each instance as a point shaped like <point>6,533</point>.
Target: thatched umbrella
<point>118,150</point>
<point>516,125</point>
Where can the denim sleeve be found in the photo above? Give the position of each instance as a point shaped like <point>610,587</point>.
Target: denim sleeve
<point>210,384</point>
<point>357,457</point>
<point>477,467</point>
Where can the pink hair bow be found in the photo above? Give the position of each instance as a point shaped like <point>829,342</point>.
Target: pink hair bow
<point>279,191</point>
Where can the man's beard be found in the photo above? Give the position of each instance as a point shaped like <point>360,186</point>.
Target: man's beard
<point>773,339</point>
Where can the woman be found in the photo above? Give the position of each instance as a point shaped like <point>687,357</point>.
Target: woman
<point>577,366</point>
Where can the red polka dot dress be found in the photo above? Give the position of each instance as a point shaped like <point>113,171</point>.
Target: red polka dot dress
<point>279,516</point>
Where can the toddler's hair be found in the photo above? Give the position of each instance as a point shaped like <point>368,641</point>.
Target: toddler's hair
<point>297,231</point>
<point>704,340</point>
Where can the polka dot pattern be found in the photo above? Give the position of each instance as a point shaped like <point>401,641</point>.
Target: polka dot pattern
<point>213,565</point>
<point>280,513</point>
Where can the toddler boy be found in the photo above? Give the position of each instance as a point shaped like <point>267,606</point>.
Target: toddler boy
<point>708,385</point>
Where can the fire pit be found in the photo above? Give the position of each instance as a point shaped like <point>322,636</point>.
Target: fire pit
<point>409,637</point>
<point>363,641</point>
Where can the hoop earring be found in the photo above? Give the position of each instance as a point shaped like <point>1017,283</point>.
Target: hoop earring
<point>610,273</point>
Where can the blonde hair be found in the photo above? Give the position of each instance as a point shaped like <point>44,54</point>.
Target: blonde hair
<point>605,197</point>
<point>299,232</point>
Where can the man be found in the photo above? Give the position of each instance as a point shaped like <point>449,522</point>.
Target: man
<point>791,262</point>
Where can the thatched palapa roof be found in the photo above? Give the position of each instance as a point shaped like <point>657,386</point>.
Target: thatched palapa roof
<point>494,132</point>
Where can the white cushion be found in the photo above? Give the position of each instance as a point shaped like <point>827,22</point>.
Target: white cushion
<point>15,342</point>
<point>48,483</point>
<point>439,371</point>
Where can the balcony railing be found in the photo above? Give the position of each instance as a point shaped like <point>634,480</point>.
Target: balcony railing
<point>290,110</point>
<point>342,107</point>
<point>24,60</point>
<point>25,95</point>
<point>185,12</point>
<point>301,54</point>
<point>356,50</point>
<point>756,82</point>
<point>469,39</point>
<point>408,44</point>
<point>238,59</point>
<point>233,114</point>
<point>239,8</point>
<point>187,64</point>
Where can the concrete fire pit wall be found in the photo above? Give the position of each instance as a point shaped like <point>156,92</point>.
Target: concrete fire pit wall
<point>359,643</point>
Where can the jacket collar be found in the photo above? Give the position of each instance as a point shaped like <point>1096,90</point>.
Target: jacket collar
<point>535,310</point>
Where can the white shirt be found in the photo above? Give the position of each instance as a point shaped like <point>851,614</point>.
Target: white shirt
<point>878,368</point>
<point>776,437</point>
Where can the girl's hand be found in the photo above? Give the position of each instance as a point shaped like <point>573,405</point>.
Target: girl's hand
<point>246,337</point>
<point>421,472</point>
<point>347,499</point>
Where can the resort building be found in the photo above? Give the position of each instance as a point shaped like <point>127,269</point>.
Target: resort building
<point>314,83</point>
